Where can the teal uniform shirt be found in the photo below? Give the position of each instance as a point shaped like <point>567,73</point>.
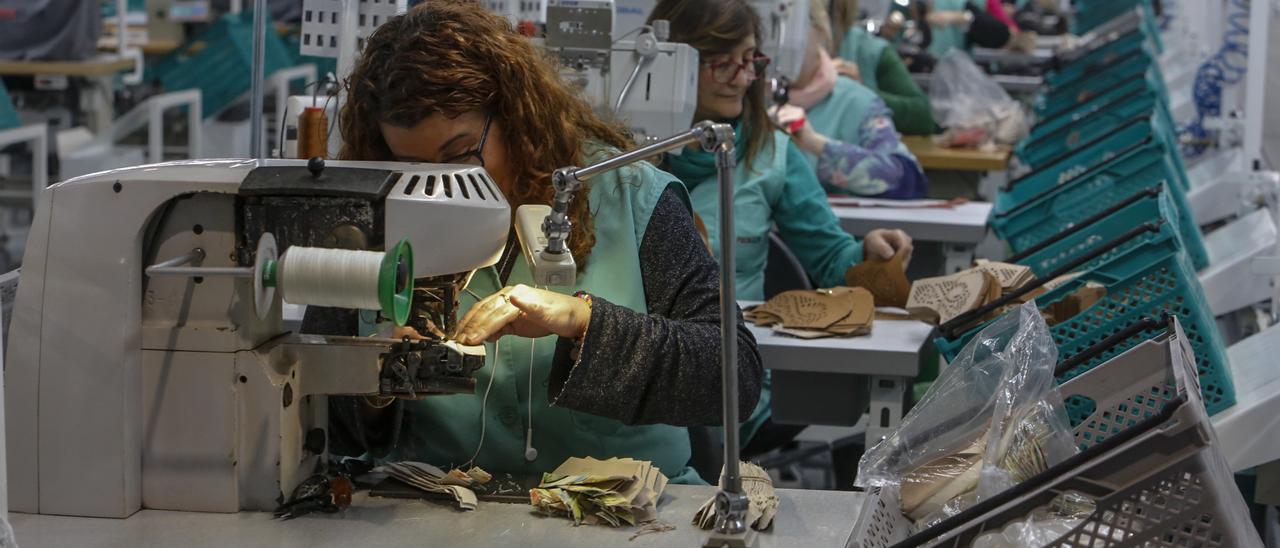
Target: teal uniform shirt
<point>863,49</point>
<point>445,430</point>
<point>778,190</point>
<point>948,37</point>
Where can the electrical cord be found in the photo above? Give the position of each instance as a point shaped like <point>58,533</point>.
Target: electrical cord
<point>1226,68</point>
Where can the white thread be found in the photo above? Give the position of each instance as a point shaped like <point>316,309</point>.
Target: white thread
<point>342,278</point>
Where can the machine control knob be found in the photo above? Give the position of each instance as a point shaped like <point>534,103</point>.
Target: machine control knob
<point>315,441</point>
<point>316,166</point>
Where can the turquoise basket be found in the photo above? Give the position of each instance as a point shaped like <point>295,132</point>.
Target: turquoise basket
<point>8,115</point>
<point>1090,154</point>
<point>1039,150</point>
<point>218,62</point>
<point>1061,207</point>
<point>1132,43</point>
<point>1129,88</point>
<point>1091,15</point>
<point>1146,275</point>
<point>1073,93</point>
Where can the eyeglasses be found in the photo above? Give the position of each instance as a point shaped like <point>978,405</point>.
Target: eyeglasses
<point>726,71</point>
<point>475,156</point>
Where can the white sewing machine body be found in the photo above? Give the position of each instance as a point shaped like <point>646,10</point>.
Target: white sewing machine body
<point>643,80</point>
<point>125,391</point>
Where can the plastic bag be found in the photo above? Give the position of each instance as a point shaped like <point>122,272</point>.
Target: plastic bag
<point>964,98</point>
<point>1044,526</point>
<point>992,419</point>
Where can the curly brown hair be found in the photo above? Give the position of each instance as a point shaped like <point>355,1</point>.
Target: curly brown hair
<point>452,57</point>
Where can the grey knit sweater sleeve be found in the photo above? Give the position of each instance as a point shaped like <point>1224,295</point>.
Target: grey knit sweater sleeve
<point>663,366</point>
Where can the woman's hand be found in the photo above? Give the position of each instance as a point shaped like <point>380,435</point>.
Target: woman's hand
<point>792,120</point>
<point>849,70</point>
<point>883,244</point>
<point>525,312</point>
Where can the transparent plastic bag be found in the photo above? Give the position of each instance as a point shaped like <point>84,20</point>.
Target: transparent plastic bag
<point>963,97</point>
<point>1045,525</point>
<point>993,418</point>
<point>7,539</point>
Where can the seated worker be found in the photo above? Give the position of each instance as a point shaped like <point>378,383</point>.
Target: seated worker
<point>774,185</point>
<point>963,24</point>
<point>872,61</point>
<point>612,367</point>
<point>847,132</point>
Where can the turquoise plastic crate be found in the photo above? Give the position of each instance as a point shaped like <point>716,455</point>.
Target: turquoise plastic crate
<point>8,115</point>
<point>109,7</point>
<point>1149,205</point>
<point>1090,15</point>
<point>1131,43</point>
<point>1094,153</point>
<point>1130,87</point>
<point>218,62</point>
<point>1034,221</point>
<point>1035,151</point>
<point>1146,275</point>
<point>1073,93</point>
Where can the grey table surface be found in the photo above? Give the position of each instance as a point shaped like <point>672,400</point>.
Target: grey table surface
<point>1010,83</point>
<point>805,518</point>
<point>893,349</point>
<point>963,224</point>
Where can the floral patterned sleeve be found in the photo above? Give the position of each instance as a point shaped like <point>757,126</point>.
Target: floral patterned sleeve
<point>877,165</point>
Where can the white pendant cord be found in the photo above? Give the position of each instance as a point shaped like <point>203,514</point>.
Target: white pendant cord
<point>484,405</point>
<point>530,453</point>
<point>484,402</point>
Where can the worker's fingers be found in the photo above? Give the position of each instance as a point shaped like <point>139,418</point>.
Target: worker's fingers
<point>534,306</point>
<point>483,306</point>
<point>788,114</point>
<point>875,247</point>
<point>900,240</point>
<point>902,243</point>
<point>485,318</point>
<point>884,244</point>
<point>484,327</point>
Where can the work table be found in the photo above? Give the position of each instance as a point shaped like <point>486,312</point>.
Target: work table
<point>805,518</point>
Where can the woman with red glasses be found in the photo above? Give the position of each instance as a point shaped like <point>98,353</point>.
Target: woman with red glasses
<point>775,187</point>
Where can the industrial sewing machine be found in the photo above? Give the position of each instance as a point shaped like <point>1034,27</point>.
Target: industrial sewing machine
<point>142,373</point>
<point>641,78</point>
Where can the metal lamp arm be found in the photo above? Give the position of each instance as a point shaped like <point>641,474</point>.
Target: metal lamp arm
<point>568,180</point>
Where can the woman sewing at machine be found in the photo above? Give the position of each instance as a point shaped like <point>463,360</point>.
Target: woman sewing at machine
<point>844,128</point>
<point>615,369</point>
<point>775,185</point>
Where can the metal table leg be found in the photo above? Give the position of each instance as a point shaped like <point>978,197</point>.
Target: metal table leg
<point>887,394</point>
<point>957,257</point>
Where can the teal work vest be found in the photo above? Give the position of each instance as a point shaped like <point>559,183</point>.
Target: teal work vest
<point>841,114</point>
<point>445,430</point>
<point>948,37</point>
<point>756,189</point>
<point>864,49</point>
